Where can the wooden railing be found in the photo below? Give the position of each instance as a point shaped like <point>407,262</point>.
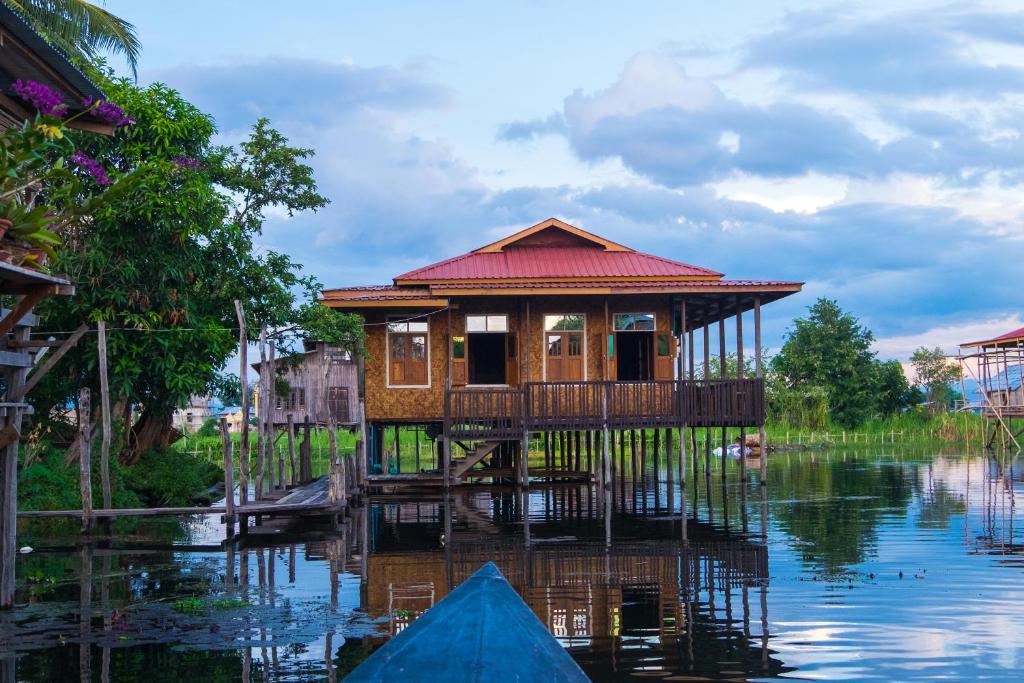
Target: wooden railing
<point>504,413</point>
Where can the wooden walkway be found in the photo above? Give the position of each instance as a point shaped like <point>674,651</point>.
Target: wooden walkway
<point>307,499</point>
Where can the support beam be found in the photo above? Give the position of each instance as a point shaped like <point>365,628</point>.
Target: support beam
<point>23,307</point>
<point>49,362</point>
<point>739,375</point>
<point>759,372</point>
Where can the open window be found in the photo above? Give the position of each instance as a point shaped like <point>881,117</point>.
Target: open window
<point>634,346</point>
<point>408,351</point>
<point>564,348</point>
<point>491,352</point>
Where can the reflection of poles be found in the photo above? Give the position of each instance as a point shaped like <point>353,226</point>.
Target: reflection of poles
<point>85,614</point>
<point>446,507</point>
<point>107,621</point>
<point>764,581</point>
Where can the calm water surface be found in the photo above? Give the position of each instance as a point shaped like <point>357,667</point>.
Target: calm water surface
<point>894,566</point>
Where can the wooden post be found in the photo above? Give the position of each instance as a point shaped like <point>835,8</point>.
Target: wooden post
<point>707,385</point>
<point>306,453</point>
<point>739,376</point>
<point>722,374</point>
<point>16,387</point>
<point>229,484</point>
<point>759,373</point>
<point>361,390</point>
<point>105,408</point>
<point>606,474</point>
<point>681,366</point>
<point>85,458</point>
<point>261,428</point>
<point>291,448</point>
<point>243,379</point>
<point>271,414</point>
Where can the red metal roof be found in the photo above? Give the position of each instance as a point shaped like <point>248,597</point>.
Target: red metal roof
<point>1010,336</point>
<point>552,262</point>
<point>617,284</point>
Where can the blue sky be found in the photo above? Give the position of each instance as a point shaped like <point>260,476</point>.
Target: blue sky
<point>873,150</point>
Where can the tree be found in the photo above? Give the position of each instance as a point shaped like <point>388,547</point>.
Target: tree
<point>163,266</point>
<point>893,390</point>
<point>935,375</point>
<point>830,349</point>
<point>81,29</point>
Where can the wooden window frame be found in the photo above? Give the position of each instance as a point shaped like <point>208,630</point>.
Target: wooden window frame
<point>506,332</point>
<point>388,332</point>
<point>544,344</point>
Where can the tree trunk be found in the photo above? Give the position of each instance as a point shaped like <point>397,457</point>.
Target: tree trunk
<point>152,430</point>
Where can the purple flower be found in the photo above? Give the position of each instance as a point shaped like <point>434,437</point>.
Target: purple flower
<point>187,163</point>
<point>91,166</point>
<point>46,100</point>
<point>109,112</point>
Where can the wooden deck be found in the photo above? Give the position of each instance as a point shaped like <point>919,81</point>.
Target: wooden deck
<point>508,412</point>
<point>308,499</point>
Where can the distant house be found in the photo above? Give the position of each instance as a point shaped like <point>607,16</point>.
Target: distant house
<point>233,414</point>
<point>306,397</point>
<point>192,416</point>
<point>999,364</point>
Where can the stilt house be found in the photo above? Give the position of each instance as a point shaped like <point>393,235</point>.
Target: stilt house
<point>997,366</point>
<point>551,329</point>
<point>306,397</point>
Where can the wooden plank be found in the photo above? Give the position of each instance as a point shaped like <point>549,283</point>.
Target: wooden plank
<point>14,359</point>
<point>49,362</point>
<point>28,320</point>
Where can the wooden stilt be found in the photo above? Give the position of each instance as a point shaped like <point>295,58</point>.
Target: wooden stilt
<point>85,458</point>
<point>762,437</point>
<point>243,378</point>
<point>291,449</point>
<point>739,375</point>
<point>722,373</point>
<point>105,408</point>
<point>261,456</point>
<point>229,486</point>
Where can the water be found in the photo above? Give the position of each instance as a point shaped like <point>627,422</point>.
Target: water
<point>855,566</point>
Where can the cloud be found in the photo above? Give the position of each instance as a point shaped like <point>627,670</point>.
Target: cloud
<point>908,54</point>
<point>281,88</point>
<point>678,131</point>
<point>947,337</point>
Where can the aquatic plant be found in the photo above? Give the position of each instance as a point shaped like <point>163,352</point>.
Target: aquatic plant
<point>196,605</point>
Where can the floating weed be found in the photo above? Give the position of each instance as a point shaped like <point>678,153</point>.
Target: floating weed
<point>196,605</point>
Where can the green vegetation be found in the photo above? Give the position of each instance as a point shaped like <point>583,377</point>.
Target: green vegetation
<point>161,477</point>
<point>828,355</point>
<point>196,605</point>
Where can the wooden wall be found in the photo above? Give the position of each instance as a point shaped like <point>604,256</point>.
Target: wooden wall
<point>308,375</point>
<point>427,404</point>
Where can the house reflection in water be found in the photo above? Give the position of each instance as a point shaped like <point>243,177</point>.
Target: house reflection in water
<point>624,593</point>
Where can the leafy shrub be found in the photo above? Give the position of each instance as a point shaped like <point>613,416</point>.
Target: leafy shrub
<point>166,477</point>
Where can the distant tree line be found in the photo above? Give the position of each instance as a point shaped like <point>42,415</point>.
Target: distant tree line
<point>826,373</point>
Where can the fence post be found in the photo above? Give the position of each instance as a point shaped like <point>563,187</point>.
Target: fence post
<point>85,458</point>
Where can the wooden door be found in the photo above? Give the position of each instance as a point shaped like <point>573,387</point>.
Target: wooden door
<point>564,356</point>
<point>337,403</point>
<point>511,360</point>
<point>663,356</point>
<point>407,357</point>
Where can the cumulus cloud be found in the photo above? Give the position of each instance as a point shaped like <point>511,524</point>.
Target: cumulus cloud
<point>321,91</point>
<point>921,53</point>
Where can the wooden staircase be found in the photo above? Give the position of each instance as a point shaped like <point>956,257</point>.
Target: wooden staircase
<point>462,466</point>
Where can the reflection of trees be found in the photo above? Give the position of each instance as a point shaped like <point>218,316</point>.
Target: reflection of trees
<point>938,505</point>
<point>832,508</point>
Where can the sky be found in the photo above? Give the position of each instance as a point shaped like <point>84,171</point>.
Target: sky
<point>872,150</point>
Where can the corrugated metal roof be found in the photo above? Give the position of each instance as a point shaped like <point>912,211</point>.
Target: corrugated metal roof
<point>549,262</point>
<point>1012,335</point>
<point>618,283</point>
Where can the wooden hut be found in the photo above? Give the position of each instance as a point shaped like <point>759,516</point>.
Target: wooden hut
<point>306,397</point>
<point>996,365</point>
<point>550,330</point>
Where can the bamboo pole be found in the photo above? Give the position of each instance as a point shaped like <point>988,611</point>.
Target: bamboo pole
<point>105,408</point>
<point>85,458</point>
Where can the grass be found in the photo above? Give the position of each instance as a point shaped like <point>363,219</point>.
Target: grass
<point>911,427</point>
